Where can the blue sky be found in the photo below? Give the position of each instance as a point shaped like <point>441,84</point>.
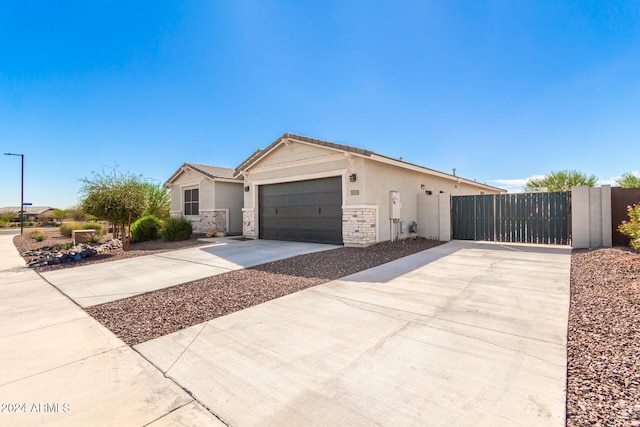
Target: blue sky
<point>500,90</point>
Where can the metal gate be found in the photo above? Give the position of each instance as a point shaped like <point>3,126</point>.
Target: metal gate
<point>522,217</point>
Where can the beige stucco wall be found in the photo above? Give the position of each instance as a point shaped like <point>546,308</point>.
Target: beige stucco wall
<point>229,196</point>
<point>215,198</point>
<point>378,179</point>
<point>295,162</point>
<point>374,181</point>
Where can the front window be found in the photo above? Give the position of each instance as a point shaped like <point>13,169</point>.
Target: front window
<point>191,199</point>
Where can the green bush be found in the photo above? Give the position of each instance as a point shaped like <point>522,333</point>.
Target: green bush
<point>66,246</point>
<point>146,228</point>
<point>631,228</point>
<point>37,235</point>
<point>67,227</point>
<point>176,229</point>
<point>93,226</point>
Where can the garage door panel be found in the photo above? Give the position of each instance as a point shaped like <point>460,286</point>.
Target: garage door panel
<point>309,211</point>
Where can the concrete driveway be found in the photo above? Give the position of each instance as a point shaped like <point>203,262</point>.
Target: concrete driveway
<point>465,334</point>
<point>100,283</point>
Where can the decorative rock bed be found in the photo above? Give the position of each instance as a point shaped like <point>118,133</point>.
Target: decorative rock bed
<point>59,255</point>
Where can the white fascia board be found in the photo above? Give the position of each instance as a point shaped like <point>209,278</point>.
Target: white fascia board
<point>231,180</point>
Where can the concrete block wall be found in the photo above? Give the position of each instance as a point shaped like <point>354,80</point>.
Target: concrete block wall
<point>444,217</point>
<point>591,217</point>
<point>434,216</point>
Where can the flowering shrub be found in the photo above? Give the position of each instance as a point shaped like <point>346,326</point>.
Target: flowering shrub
<point>631,228</point>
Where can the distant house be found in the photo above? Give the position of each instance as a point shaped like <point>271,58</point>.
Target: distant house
<point>30,212</point>
<point>209,196</point>
<point>306,189</point>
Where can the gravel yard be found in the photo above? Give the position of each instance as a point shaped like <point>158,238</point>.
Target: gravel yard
<point>161,312</point>
<point>603,387</point>
<point>53,238</point>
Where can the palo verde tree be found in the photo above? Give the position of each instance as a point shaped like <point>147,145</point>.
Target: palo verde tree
<point>115,197</point>
<point>562,180</point>
<point>629,180</point>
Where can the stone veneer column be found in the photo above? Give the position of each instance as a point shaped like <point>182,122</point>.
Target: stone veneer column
<point>359,225</point>
<point>248,223</point>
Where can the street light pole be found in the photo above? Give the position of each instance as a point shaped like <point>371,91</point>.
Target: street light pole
<point>21,192</point>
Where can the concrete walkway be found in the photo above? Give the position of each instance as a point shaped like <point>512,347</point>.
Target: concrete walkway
<point>100,283</point>
<point>60,367</point>
<point>465,334</point>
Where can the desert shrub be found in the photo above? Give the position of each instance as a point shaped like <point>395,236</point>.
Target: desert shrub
<point>37,235</point>
<point>66,246</point>
<point>67,227</point>
<point>631,228</point>
<point>146,228</point>
<point>93,226</point>
<point>179,228</point>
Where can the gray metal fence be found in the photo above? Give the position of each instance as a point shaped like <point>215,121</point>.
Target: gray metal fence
<point>523,217</point>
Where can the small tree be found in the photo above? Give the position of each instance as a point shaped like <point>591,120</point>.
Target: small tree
<point>629,180</point>
<point>116,197</point>
<point>59,214</point>
<point>76,213</point>
<point>562,180</point>
<point>158,201</point>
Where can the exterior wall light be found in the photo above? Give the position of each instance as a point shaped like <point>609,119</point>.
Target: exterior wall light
<point>352,177</point>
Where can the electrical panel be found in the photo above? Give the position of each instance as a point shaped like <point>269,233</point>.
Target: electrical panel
<point>394,205</point>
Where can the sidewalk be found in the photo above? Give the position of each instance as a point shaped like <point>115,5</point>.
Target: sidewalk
<point>59,366</point>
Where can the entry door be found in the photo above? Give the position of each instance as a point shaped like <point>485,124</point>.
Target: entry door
<point>302,211</point>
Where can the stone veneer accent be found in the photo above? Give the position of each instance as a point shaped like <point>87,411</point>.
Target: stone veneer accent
<point>359,225</point>
<point>209,219</point>
<point>248,222</point>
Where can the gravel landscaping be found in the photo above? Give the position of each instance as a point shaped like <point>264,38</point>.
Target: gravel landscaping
<point>53,238</point>
<point>161,312</point>
<point>603,387</point>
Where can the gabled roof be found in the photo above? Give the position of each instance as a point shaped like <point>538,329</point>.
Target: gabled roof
<point>212,172</point>
<point>259,154</point>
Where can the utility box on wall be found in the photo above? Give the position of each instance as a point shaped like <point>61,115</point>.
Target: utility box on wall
<point>394,205</point>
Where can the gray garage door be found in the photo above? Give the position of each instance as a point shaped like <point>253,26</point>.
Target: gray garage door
<point>302,211</point>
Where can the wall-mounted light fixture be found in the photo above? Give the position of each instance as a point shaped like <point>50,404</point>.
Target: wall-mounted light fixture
<point>246,189</point>
<point>352,177</point>
<point>428,192</point>
<point>422,186</point>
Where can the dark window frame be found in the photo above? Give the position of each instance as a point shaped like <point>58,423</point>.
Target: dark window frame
<point>191,204</point>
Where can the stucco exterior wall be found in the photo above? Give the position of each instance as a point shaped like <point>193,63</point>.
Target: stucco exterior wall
<point>294,163</point>
<point>365,198</point>
<point>219,205</point>
<point>229,196</point>
<point>379,179</point>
